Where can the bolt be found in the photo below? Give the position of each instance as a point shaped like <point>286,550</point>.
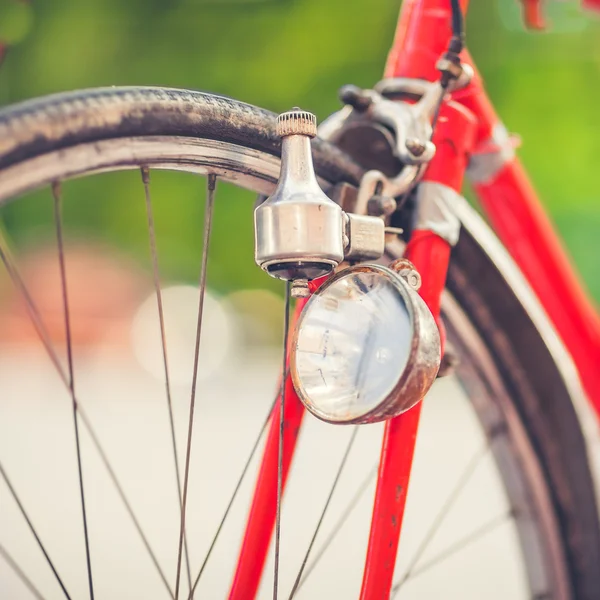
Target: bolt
<point>381,206</point>
<point>415,147</point>
<point>394,230</point>
<point>411,277</point>
<point>355,97</point>
<point>407,271</point>
<point>300,288</point>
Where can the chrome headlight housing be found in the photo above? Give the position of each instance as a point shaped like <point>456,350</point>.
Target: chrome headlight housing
<point>366,347</point>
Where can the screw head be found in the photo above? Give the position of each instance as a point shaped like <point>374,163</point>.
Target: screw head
<point>379,205</point>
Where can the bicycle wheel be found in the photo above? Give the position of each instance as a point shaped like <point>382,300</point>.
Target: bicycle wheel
<point>512,387</point>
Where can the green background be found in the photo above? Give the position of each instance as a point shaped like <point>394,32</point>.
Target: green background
<point>278,54</point>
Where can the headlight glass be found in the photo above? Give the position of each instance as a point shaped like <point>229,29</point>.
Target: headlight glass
<point>353,341</point>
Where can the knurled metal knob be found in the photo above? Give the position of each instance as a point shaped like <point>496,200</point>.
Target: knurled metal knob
<point>296,122</point>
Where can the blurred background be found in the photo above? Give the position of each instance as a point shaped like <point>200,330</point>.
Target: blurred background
<point>275,54</point>
<point>281,53</point>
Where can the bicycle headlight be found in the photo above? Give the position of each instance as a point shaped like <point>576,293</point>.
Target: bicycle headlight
<point>366,347</point>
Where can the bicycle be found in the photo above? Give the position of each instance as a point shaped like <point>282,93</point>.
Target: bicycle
<point>393,160</point>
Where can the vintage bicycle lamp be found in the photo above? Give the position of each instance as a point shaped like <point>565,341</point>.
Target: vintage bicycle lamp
<point>299,230</point>
<point>366,347</point>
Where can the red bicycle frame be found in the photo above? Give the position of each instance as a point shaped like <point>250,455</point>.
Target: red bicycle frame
<point>468,127</point>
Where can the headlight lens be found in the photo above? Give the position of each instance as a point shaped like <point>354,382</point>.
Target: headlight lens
<point>355,343</point>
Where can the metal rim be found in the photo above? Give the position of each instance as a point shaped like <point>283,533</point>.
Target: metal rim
<point>243,166</point>
<point>412,383</point>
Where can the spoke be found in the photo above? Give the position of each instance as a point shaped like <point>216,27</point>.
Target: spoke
<point>56,192</point>
<point>462,482</point>
<point>33,530</point>
<point>10,561</point>
<point>286,328</point>
<point>212,181</point>
<point>124,499</point>
<point>44,337</point>
<point>163,340</point>
<point>32,310</point>
<point>454,548</point>
<point>362,488</point>
<point>316,532</point>
<point>233,496</point>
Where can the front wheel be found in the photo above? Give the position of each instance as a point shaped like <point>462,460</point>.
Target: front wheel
<point>502,501</point>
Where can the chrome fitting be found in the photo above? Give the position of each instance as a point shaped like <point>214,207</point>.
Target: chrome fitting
<point>365,237</point>
<point>408,121</point>
<point>298,229</point>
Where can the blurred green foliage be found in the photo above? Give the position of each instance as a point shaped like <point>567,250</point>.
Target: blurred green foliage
<point>281,53</point>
